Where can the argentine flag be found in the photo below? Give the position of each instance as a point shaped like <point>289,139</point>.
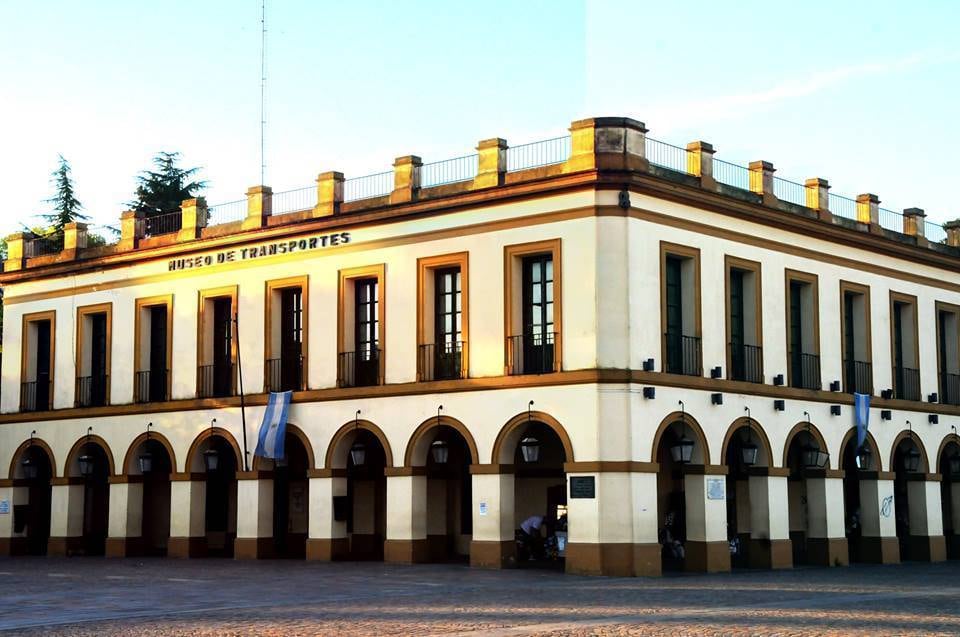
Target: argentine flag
<point>861,414</point>
<point>274,426</point>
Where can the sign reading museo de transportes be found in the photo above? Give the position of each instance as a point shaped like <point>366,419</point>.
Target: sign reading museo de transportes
<point>316,242</point>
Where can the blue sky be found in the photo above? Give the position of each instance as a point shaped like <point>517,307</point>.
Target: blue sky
<point>863,94</point>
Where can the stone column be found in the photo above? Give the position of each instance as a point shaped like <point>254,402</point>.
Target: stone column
<point>878,542</point>
<point>129,230</point>
<point>707,548</point>
<point>327,539</point>
<point>193,218</point>
<point>8,494</point>
<point>700,163</point>
<point>611,143</point>
<point>769,544</point>
<point>125,528</point>
<point>188,504</point>
<point>329,194</point>
<point>254,515</point>
<point>926,542</point>
<point>406,515</point>
<point>868,210</point>
<point>66,516</point>
<point>818,197</point>
<point>493,544</point>
<point>952,228</point>
<point>491,163</point>
<point>826,531</point>
<point>761,181</point>
<point>259,207</point>
<point>406,179</point>
<point>14,260</point>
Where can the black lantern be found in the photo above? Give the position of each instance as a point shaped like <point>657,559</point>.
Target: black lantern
<point>954,464</point>
<point>145,460</point>
<point>748,453</point>
<point>440,451</point>
<point>86,465</point>
<point>813,457</point>
<point>682,450</point>
<point>864,457</point>
<point>30,469</point>
<point>358,453</point>
<point>911,460</point>
<point>530,448</point>
<point>211,460</point>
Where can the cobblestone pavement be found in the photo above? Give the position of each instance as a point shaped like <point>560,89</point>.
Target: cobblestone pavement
<point>221,597</point>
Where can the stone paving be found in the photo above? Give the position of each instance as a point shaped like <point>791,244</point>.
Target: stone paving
<point>89,596</point>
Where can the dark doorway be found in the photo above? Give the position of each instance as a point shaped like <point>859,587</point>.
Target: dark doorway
<point>37,472</point>
<point>449,494</point>
<point>96,498</point>
<point>290,501</point>
<point>540,490</point>
<point>155,528</point>
<point>366,497</point>
<point>221,500</point>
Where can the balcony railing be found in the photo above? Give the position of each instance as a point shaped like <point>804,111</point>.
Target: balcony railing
<point>440,361</point>
<point>40,246</point>
<point>36,395</point>
<point>151,386</point>
<point>949,388</point>
<point>746,362</point>
<point>906,383</point>
<point>284,374</point>
<point>858,377</point>
<point>359,369</point>
<point>805,371</point>
<point>91,391</point>
<point>216,380</point>
<point>683,354</point>
<point>532,354</point>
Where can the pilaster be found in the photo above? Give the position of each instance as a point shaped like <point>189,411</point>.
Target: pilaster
<point>607,143</point>
<point>707,548</point>
<point>700,163</point>
<point>254,515</point>
<point>769,544</point>
<point>125,526</point>
<point>130,230</point>
<point>188,501</point>
<point>14,260</point>
<point>406,519</point>
<point>193,218</point>
<point>406,179</point>
<point>493,544</point>
<point>926,542</point>
<point>826,532</point>
<point>951,227</point>
<point>327,539</point>
<point>878,542</point>
<point>491,163</point>
<point>329,194</point>
<point>74,239</point>
<point>818,197</point>
<point>868,210</point>
<point>761,181</point>
<point>66,516</point>
<point>259,207</point>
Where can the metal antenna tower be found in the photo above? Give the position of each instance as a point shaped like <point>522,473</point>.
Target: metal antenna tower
<point>263,88</point>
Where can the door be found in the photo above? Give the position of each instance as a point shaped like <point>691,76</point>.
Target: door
<point>538,334</point>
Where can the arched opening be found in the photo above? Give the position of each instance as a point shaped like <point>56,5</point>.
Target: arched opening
<point>806,454</point>
<point>366,500</point>
<point>856,461</point>
<point>746,451</point>
<point>32,474</point>
<point>90,462</point>
<point>291,496</point>
<point>949,465</point>
<point>215,457</point>
<point>908,465</point>
<point>449,514</point>
<point>540,495</point>
<point>150,459</point>
<point>679,445</point>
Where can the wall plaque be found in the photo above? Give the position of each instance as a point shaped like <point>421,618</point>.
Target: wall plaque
<point>583,487</point>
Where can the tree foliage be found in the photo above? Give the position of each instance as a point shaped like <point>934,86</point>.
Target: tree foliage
<point>163,189</point>
<point>66,207</point>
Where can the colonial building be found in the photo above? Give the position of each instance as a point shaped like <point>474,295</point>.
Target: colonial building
<point>655,347</point>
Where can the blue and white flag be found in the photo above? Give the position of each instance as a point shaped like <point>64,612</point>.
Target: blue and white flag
<point>861,413</point>
<point>274,427</point>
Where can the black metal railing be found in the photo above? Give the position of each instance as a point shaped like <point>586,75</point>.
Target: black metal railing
<point>746,362</point>
<point>151,386</point>
<point>91,391</point>
<point>156,225</point>
<point>906,383</point>
<point>359,369</point>
<point>684,354</point>
<point>216,380</point>
<point>805,371</point>
<point>41,246</point>
<point>532,354</point>
<point>440,361</point>
<point>949,388</point>
<point>858,377</point>
<point>35,395</point>
<point>284,373</point>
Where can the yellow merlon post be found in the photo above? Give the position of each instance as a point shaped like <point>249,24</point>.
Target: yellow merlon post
<point>761,181</point>
<point>607,143</point>
<point>329,194</point>
<point>952,228</point>
<point>193,218</point>
<point>14,260</point>
<point>406,179</point>
<point>914,224</point>
<point>491,163</point>
<point>700,163</point>
<point>868,209</point>
<point>129,230</point>
<point>74,239</point>
<point>818,197</point>
<point>259,207</point>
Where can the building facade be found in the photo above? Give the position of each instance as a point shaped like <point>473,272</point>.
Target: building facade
<point>658,347</point>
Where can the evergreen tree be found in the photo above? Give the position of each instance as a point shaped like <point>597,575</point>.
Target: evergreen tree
<point>66,206</point>
<point>162,190</point>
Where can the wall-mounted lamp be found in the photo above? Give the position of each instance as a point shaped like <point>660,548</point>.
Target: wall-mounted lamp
<point>650,392</point>
<point>779,405</point>
<point>716,399</point>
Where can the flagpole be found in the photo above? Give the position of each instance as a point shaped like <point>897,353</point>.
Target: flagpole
<point>243,406</point>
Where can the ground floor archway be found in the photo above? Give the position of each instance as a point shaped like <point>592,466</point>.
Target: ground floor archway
<point>148,466</point>
<point>949,468</point>
<point>291,495</point>
<point>32,471</point>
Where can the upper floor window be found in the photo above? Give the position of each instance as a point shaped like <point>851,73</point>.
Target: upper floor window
<point>93,356</point>
<point>37,361</point>
<point>803,330</point>
<point>948,352</point>
<point>744,349</point>
<point>680,314</point>
<point>533,316</point>
<point>285,350</point>
<point>217,370</point>
<point>153,329</point>
<point>904,344</point>
<point>360,360</point>
<point>441,317</point>
<point>855,338</point>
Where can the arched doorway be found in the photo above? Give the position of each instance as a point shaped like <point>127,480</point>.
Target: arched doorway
<point>444,447</point>
<point>216,457</point>
<point>149,463</point>
<point>366,500</point>
<point>32,471</point>
<point>291,495</point>
<point>949,464</point>
<point>859,463</point>
<point>747,456</point>
<point>806,457</point>
<point>90,461</point>
<point>908,463</point>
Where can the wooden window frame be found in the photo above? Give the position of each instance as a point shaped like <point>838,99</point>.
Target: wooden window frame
<point>82,312</point>
<point>378,272</point>
<point>277,285</point>
<point>814,281</point>
<point>425,267</point>
<point>227,291</point>
<point>26,319</point>
<point>942,306</point>
<point>900,297</point>
<point>140,305</point>
<point>855,288</point>
<point>745,265</point>
<point>668,249</point>
<point>512,254</point>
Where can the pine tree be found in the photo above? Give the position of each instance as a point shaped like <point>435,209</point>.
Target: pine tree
<point>66,206</point>
<point>162,190</point>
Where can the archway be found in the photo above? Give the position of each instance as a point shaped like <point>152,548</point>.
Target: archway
<point>746,453</point>
<point>805,454</point>
<point>909,463</point>
<point>91,462</point>
<point>32,470</point>
<point>859,462</point>
<point>216,456</point>
<point>148,465</point>
<point>445,448</point>
<point>949,465</point>
<point>291,495</point>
